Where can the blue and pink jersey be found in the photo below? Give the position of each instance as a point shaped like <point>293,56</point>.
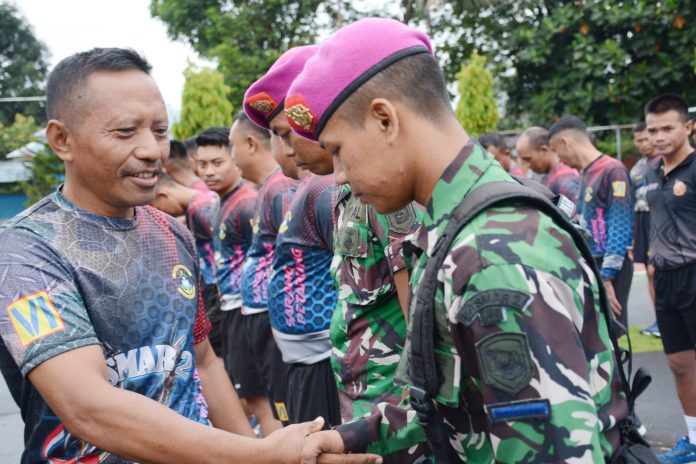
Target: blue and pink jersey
<point>563,180</point>
<point>605,209</point>
<point>301,294</point>
<point>201,216</point>
<point>128,285</point>
<point>273,200</point>
<point>235,234</point>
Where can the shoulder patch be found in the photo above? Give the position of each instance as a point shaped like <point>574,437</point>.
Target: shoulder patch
<point>619,188</point>
<point>402,221</point>
<point>490,306</point>
<point>505,361</point>
<point>33,317</point>
<point>356,210</point>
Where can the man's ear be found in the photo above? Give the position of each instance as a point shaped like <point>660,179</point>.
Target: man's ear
<point>59,139</point>
<point>252,143</point>
<point>384,115</point>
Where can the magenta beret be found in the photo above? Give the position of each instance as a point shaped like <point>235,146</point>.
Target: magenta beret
<point>344,62</point>
<point>264,99</point>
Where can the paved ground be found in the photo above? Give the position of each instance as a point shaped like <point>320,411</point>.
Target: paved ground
<point>658,408</point>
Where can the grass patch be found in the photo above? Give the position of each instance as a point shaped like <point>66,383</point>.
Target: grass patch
<point>641,343</point>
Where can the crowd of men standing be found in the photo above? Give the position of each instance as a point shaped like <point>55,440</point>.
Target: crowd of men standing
<point>312,222</point>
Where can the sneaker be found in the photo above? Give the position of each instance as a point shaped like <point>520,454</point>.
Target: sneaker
<point>682,453</point>
<point>652,330</point>
<point>639,425</point>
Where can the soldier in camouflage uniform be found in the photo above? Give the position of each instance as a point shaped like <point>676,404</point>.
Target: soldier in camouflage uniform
<point>368,328</point>
<point>528,370</point>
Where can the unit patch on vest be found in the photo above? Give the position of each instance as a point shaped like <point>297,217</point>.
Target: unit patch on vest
<point>505,361</point>
<point>402,221</point>
<point>490,306</point>
<point>348,243</point>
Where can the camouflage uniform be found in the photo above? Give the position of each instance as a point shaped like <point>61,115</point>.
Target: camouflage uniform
<point>368,328</point>
<point>517,313</point>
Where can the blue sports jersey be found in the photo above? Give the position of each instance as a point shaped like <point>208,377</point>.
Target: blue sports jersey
<point>605,209</point>
<point>201,216</point>
<point>272,202</point>
<point>234,237</point>
<point>301,294</point>
<point>71,278</point>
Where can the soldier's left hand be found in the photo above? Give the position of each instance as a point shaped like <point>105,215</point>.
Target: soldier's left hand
<point>326,447</point>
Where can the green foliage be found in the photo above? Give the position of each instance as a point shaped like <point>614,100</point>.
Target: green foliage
<point>245,38</point>
<point>598,59</point>
<point>204,103</point>
<point>48,172</point>
<point>476,109</point>
<point>17,135</point>
<point>23,66</point>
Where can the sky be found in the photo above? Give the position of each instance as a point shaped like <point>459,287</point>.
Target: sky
<point>70,26</point>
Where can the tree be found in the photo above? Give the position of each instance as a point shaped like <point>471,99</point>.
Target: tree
<point>23,66</point>
<point>17,135</point>
<point>204,103</point>
<point>598,59</point>
<point>245,38</point>
<point>476,109</point>
<point>47,173</point>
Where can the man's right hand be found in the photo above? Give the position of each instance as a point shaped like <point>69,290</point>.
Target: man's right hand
<point>305,442</point>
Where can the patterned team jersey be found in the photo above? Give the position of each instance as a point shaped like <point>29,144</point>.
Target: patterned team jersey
<point>639,181</point>
<point>70,279</point>
<point>272,202</point>
<point>201,216</point>
<point>528,370</point>
<point>605,209</point>
<point>563,180</point>
<point>234,234</point>
<point>200,186</point>
<point>368,329</point>
<point>301,294</point>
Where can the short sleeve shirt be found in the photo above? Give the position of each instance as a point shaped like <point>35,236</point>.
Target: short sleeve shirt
<point>273,200</point>
<point>201,217</point>
<point>639,182</point>
<point>71,279</point>
<point>563,180</point>
<point>234,238</point>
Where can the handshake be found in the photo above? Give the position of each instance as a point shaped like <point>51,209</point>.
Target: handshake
<point>308,444</point>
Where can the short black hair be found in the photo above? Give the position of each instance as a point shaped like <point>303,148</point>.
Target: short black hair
<point>214,136</point>
<point>668,102</point>
<point>264,135</point>
<point>190,144</point>
<point>416,81</point>
<point>537,136</point>
<point>178,157</point>
<point>72,72</point>
<point>568,123</point>
<point>493,138</point>
<point>640,127</point>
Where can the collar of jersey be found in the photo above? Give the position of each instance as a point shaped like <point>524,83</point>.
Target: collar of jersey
<point>112,223</point>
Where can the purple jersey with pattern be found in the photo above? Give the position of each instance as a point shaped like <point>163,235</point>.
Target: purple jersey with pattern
<point>301,293</point>
<point>605,208</point>
<point>201,216</point>
<point>234,234</point>
<point>563,180</point>
<point>71,279</point>
<point>272,202</point>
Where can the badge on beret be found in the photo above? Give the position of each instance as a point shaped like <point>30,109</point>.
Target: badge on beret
<point>505,361</point>
<point>679,188</point>
<point>298,113</point>
<point>262,102</point>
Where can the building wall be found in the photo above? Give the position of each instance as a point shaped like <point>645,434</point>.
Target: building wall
<point>11,204</point>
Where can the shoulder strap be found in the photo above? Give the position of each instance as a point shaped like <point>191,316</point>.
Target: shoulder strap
<point>423,370</point>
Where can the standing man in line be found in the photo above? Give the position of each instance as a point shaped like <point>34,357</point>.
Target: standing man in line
<point>103,335</point>
<point>672,201</point>
<point>301,294</point>
<point>180,165</point>
<point>605,208</point>
<point>520,381</point>
<point>533,148</point>
<point>233,238</point>
<point>495,144</point>
<point>255,159</point>
<point>641,220</point>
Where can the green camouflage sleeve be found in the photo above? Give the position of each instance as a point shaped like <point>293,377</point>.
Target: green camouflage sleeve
<point>519,332</point>
<point>391,230</point>
<point>390,431</point>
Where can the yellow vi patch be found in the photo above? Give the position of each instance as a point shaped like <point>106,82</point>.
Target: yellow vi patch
<point>187,287</point>
<point>282,412</point>
<point>34,316</point>
<point>619,188</point>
